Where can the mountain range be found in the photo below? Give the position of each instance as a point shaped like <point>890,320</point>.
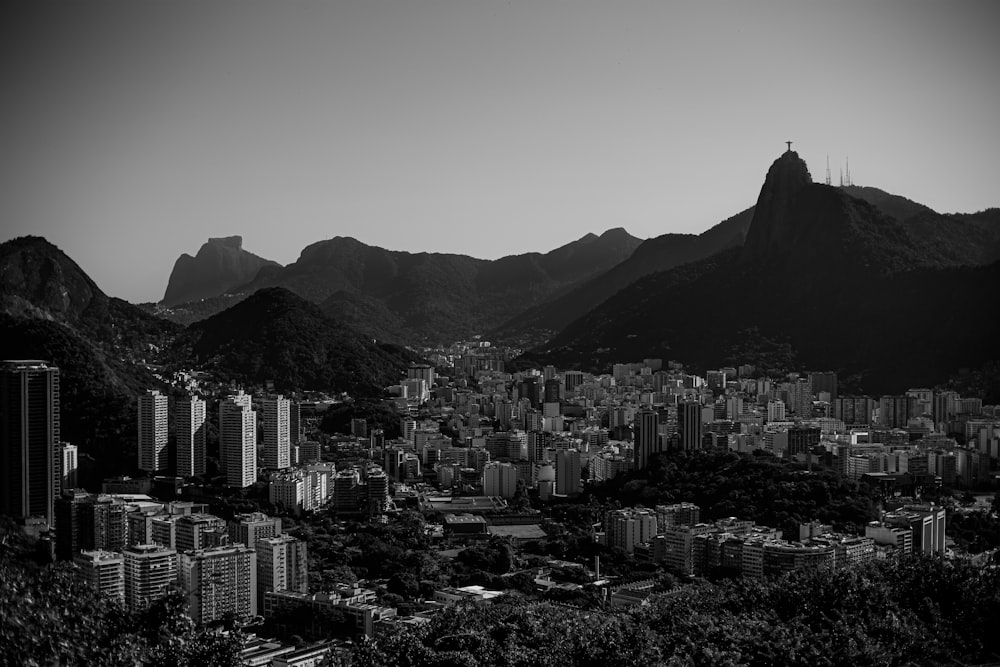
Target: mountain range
<point>421,298</point>
<point>220,265</point>
<point>839,281</point>
<point>109,351</point>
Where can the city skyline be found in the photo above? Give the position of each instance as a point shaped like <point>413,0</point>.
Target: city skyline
<point>420,126</point>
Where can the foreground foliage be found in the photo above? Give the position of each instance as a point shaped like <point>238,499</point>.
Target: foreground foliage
<point>50,617</point>
<point>918,610</point>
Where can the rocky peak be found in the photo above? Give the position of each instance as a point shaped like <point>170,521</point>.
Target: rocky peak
<point>771,227</point>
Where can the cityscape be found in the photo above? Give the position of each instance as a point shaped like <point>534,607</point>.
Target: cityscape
<point>343,334</point>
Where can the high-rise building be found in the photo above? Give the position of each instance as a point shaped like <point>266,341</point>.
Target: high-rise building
<point>646,441</point>
<point>277,439</point>
<point>219,581</point>
<point>689,426</point>
<point>346,489</point>
<point>378,489</point>
<point>198,531</point>
<point>150,573</point>
<point>68,510</point>
<point>678,514</point>
<point>238,440</point>
<point>294,423</point>
<point>190,427</point>
<point>776,411</point>
<point>282,565</point>
<point>103,523</point>
<point>152,432</point>
<point>237,399</point>
<point>895,411</point>
<point>628,527</point>
<point>499,479</point>
<point>104,571</point>
<point>824,382</point>
<point>29,439</point>
<point>248,529</point>
<point>69,464</point>
<point>567,472</point>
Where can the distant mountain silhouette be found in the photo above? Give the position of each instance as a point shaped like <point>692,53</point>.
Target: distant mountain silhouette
<point>429,297</point>
<point>276,335</point>
<point>655,254</point>
<point>220,265</point>
<point>52,310</point>
<point>848,286</point>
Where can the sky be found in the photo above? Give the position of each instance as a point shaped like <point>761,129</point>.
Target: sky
<point>132,131</point>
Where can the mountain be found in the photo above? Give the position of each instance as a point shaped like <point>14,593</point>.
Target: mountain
<point>656,254</point>
<point>964,238</point>
<point>51,309</point>
<point>832,278</point>
<point>276,335</point>
<point>433,297</point>
<point>220,265</point>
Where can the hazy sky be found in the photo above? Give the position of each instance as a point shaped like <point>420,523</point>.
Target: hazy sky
<point>131,131</point>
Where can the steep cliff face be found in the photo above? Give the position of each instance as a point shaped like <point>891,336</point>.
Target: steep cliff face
<point>220,265</point>
<point>773,225</point>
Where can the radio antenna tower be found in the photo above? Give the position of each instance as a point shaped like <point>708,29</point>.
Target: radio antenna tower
<point>828,169</point>
<point>841,177</point>
<point>848,169</point>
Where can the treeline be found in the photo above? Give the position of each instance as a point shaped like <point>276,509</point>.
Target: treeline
<point>50,617</point>
<point>919,610</point>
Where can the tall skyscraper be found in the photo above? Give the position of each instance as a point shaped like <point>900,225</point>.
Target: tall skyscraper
<point>689,425</point>
<point>277,439</point>
<point>238,440</point>
<point>238,399</point>
<point>190,429</point>
<point>150,573</point>
<point>29,439</point>
<point>219,581</point>
<point>646,440</point>
<point>152,430</point>
<point>567,472</point>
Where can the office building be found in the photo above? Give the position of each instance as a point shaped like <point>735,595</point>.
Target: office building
<point>218,582</point>
<point>689,426</point>
<point>152,432</point>
<point>646,439</point>
<point>104,571</point>
<point>277,438</point>
<point>238,440</point>
<point>150,573</point>
<point>190,423</point>
<point>29,439</point>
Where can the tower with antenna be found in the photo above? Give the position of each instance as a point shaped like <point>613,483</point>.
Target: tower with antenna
<point>847,170</point>
<point>828,169</point>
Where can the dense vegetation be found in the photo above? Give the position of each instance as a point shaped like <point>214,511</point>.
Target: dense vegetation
<point>50,617</point>
<point>917,611</point>
<point>755,486</point>
<point>276,335</point>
